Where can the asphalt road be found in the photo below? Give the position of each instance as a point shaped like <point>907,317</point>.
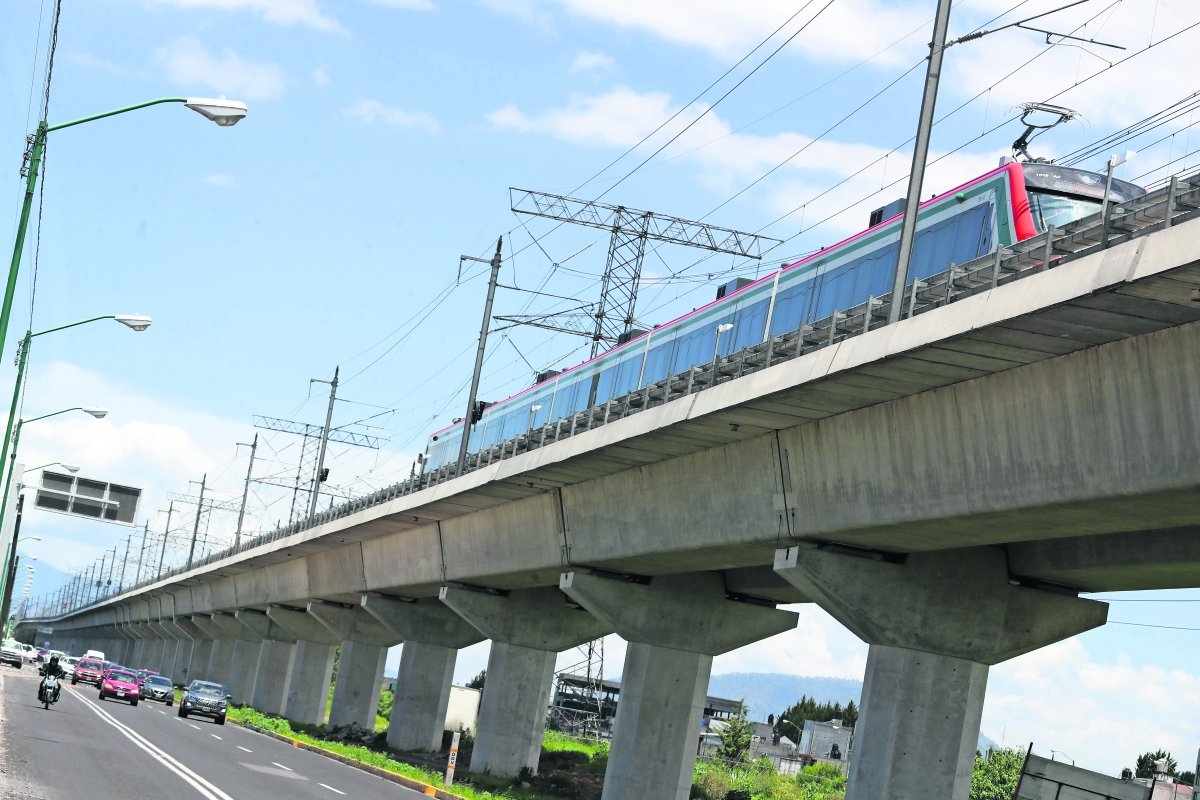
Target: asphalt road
<point>109,750</point>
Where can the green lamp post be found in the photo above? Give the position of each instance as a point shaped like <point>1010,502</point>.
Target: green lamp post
<point>221,111</point>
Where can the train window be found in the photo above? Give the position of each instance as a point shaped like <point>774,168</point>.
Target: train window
<point>1057,210</point>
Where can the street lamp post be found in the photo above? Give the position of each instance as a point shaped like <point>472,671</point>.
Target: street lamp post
<point>221,111</point>
<point>98,413</point>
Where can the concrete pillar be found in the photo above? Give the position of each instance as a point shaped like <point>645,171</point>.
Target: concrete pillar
<point>935,622</point>
<point>152,651</point>
<point>166,662</point>
<point>142,634</point>
<point>270,683</point>
<point>220,661</point>
<point>433,634</point>
<point>365,642</point>
<point>183,652</point>
<point>674,624</point>
<point>247,648</point>
<point>528,628</point>
<point>199,656</point>
<point>310,668</point>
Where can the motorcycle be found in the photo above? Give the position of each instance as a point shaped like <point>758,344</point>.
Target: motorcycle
<point>48,690</point>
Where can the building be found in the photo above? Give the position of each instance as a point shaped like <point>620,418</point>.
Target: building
<point>826,741</point>
<point>580,703</point>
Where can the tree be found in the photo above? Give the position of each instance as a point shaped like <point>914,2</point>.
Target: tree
<point>791,722</point>
<point>996,775</point>
<point>735,735</point>
<point>1188,777</point>
<point>478,681</point>
<point>1145,764</point>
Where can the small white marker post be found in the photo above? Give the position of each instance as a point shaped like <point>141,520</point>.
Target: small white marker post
<point>453,759</point>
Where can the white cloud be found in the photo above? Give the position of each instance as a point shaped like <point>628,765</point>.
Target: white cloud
<point>281,12</point>
<point>591,61</point>
<point>320,78</point>
<point>414,5</point>
<point>370,111</point>
<point>1102,715</point>
<point>848,30</point>
<point>220,179</point>
<point>189,64</point>
<point>619,118</point>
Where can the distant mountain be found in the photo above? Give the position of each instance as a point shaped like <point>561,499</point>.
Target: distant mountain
<point>772,692</point>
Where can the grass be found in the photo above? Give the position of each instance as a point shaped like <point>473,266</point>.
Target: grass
<point>463,788</point>
<point>818,782</point>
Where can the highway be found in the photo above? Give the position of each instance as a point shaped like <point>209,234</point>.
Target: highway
<point>108,750</point>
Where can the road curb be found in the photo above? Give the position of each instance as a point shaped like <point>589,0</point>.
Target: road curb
<point>406,782</point>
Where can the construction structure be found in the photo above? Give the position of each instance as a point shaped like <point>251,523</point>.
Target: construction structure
<point>631,230</point>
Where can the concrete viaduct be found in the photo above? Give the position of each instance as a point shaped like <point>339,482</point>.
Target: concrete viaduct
<point>945,487</point>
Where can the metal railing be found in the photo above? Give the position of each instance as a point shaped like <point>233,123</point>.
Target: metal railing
<point>1177,201</point>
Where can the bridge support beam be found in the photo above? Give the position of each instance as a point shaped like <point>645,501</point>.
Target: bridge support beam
<point>201,651</point>
<point>365,642</point>
<point>310,666</point>
<point>183,653</point>
<point>271,673</point>
<point>674,626</point>
<point>170,648</point>
<point>247,647</point>
<point>528,628</point>
<point>935,622</point>
<point>433,634</point>
<point>220,661</point>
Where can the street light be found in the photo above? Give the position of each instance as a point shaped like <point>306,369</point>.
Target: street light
<point>723,328</point>
<point>221,111</point>
<point>11,551</point>
<point>71,468</point>
<point>532,410</point>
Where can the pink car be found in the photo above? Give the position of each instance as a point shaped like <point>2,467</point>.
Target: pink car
<point>121,684</point>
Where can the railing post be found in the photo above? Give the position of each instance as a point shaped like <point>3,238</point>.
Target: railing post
<point>1172,189</point>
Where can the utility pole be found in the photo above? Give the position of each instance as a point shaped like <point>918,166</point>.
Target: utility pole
<point>142,552</point>
<point>320,477</point>
<point>908,229</point>
<point>100,575</point>
<point>12,564</point>
<point>237,537</point>
<point>166,533</point>
<point>470,417</point>
<point>121,582</point>
<point>196,527</point>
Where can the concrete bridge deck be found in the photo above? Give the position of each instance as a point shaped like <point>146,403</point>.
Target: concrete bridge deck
<point>1041,433</point>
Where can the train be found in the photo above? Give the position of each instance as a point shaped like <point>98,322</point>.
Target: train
<point>1014,202</point>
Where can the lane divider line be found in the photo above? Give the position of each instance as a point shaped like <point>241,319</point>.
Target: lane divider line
<point>281,766</point>
<point>330,788</point>
<point>379,772</point>
<point>197,782</point>
<point>239,747</point>
<point>214,736</point>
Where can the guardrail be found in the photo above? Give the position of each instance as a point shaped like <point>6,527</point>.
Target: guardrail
<point>1175,202</point>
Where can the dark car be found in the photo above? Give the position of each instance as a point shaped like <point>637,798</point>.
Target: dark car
<point>156,687</point>
<point>204,699</point>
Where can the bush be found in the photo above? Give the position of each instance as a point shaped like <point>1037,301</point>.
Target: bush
<point>995,776</point>
<point>386,699</point>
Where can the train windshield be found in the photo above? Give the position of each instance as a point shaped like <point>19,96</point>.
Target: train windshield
<point>1059,196</point>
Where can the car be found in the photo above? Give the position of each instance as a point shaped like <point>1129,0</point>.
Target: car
<point>122,684</point>
<point>156,687</point>
<point>205,699</point>
<point>96,654</point>
<point>68,664</point>
<point>88,670</point>
<point>11,652</point>
<point>29,653</point>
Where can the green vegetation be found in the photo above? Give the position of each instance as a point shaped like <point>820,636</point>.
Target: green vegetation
<point>386,699</point>
<point>996,774</point>
<point>759,781</point>
<point>735,735</point>
<point>478,681</point>
<point>1145,764</point>
<point>791,722</point>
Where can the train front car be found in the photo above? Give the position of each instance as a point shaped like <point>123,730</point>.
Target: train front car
<point>1059,196</point>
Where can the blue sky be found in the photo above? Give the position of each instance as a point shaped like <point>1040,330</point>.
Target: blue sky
<point>381,140</point>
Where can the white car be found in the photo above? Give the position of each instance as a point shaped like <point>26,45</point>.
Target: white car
<point>30,653</point>
<point>12,652</point>
<point>68,664</point>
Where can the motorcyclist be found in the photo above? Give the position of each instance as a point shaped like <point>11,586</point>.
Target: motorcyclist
<point>53,669</point>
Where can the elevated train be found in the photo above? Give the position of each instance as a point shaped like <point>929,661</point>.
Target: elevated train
<point>1007,205</point>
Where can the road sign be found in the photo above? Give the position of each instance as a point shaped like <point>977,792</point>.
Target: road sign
<point>85,497</point>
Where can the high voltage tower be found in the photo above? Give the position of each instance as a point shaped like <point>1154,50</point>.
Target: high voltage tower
<point>309,454</point>
<point>631,229</point>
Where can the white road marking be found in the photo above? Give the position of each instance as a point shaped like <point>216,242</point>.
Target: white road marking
<point>198,783</point>
<point>281,766</point>
<point>239,747</point>
<point>162,712</point>
<point>214,736</point>
<point>330,788</point>
<point>197,727</point>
